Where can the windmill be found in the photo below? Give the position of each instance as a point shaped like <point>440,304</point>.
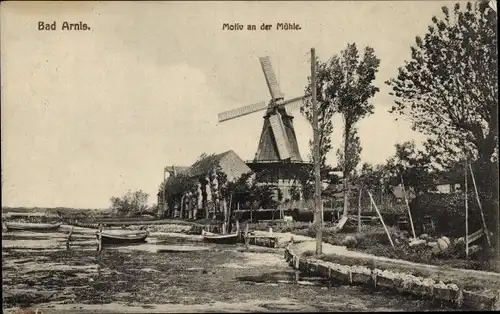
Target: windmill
<point>278,149</point>
<point>278,141</point>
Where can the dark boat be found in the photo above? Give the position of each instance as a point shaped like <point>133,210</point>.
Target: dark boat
<point>231,238</point>
<point>32,226</point>
<point>122,237</point>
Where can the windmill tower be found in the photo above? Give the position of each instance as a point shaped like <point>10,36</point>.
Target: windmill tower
<point>278,157</point>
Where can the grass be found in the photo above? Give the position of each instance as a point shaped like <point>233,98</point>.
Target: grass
<point>374,240</point>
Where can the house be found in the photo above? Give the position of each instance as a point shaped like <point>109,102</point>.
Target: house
<point>448,182</point>
<point>399,193</point>
<point>231,164</point>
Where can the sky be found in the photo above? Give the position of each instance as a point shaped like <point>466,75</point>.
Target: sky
<point>87,115</point>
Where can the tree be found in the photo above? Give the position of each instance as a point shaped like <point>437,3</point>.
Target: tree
<point>131,203</point>
<point>449,91</point>
<point>370,178</point>
<point>325,110</point>
<point>249,192</point>
<point>413,166</point>
<point>348,160</point>
<point>175,187</point>
<point>350,89</point>
<point>449,87</point>
<point>344,85</point>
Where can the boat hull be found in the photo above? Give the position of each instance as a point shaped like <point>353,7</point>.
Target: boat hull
<point>109,239</point>
<point>31,226</point>
<point>221,239</point>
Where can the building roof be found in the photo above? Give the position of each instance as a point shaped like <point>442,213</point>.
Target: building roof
<point>177,169</point>
<point>232,165</point>
<point>399,193</point>
<point>449,177</point>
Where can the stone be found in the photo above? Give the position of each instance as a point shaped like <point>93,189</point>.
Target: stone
<point>496,304</point>
<point>349,241</point>
<point>385,279</point>
<point>432,244</point>
<point>423,236</point>
<point>340,273</point>
<point>443,244</point>
<point>417,242</point>
<point>323,270</point>
<point>446,239</point>
<point>360,275</point>
<point>478,300</point>
<point>312,268</point>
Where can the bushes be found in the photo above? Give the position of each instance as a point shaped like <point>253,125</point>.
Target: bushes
<point>448,213</point>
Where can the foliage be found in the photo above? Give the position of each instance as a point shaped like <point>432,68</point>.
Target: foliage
<point>413,166</point>
<point>448,213</point>
<point>325,110</point>
<point>370,176</point>
<point>305,178</point>
<point>184,182</point>
<point>449,87</point>
<point>348,162</point>
<point>131,203</point>
<point>345,84</point>
<point>449,91</point>
<point>204,166</point>
<point>250,193</point>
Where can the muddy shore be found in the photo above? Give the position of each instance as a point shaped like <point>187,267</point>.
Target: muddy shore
<point>39,273</point>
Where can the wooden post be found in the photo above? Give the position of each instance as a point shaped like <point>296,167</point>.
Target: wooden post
<point>466,214</point>
<point>99,242</point>
<point>381,219</point>
<point>408,206</point>
<point>68,243</point>
<point>359,208</point>
<point>246,239</point>
<point>480,206</point>
<point>317,174</point>
<point>229,209</point>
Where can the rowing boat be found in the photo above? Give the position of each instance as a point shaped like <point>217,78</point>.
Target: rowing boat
<point>32,226</point>
<point>231,238</point>
<point>122,236</point>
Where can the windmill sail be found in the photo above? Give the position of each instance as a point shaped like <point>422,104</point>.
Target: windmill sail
<point>235,113</point>
<point>272,82</point>
<point>294,103</point>
<point>280,136</point>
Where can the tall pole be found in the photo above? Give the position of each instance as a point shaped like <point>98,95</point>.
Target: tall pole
<point>317,174</point>
<point>163,192</point>
<point>466,214</point>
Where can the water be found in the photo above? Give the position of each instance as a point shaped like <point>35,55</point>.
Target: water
<point>161,276</point>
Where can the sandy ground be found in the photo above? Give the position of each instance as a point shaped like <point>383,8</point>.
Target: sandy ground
<point>168,276</point>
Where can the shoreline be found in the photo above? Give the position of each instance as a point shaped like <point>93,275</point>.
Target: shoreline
<point>401,282</point>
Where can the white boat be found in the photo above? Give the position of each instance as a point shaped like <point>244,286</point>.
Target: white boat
<point>32,226</point>
<point>122,236</point>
